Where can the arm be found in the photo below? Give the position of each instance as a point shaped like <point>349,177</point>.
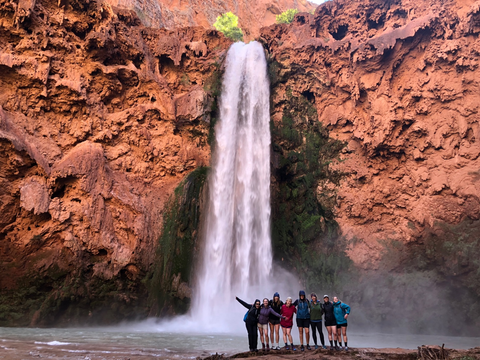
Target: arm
<point>295,303</point>
<point>275,313</point>
<point>346,308</point>
<point>248,306</point>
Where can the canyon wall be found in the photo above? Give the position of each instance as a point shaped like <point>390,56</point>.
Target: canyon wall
<point>395,82</point>
<point>105,130</point>
<point>252,15</point>
<point>100,120</point>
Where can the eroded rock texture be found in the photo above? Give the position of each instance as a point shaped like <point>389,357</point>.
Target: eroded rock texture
<point>100,119</point>
<point>398,81</point>
<point>172,14</point>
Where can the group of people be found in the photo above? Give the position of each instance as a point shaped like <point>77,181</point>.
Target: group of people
<point>273,314</point>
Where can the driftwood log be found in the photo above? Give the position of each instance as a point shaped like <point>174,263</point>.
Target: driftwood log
<point>426,352</point>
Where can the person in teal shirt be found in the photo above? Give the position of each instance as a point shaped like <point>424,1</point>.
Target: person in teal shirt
<point>341,312</point>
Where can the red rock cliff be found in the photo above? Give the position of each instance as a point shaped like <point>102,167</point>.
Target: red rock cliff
<point>100,119</point>
<point>398,81</point>
<point>175,13</point>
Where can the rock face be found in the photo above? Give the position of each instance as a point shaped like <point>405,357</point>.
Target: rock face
<point>175,13</point>
<point>375,132</point>
<point>398,82</point>
<point>100,119</point>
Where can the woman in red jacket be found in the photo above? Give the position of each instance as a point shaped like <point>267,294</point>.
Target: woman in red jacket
<point>287,322</point>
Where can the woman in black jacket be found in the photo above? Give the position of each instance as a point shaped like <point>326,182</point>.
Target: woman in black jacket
<point>330,322</point>
<point>251,322</point>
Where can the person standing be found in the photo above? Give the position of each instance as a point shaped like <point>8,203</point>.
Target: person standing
<point>303,318</point>
<point>265,312</point>
<point>316,312</point>
<point>341,312</point>
<point>330,322</point>
<point>276,304</point>
<point>251,321</point>
<point>287,322</point>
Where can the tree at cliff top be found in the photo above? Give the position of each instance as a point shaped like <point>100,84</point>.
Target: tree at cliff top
<point>228,25</point>
<point>286,17</point>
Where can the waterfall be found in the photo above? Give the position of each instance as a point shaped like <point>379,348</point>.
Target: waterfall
<point>237,257</point>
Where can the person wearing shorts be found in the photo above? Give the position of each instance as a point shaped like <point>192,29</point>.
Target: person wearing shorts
<point>274,322</point>
<point>265,312</point>
<point>287,322</point>
<point>341,312</point>
<point>303,318</point>
<point>330,322</point>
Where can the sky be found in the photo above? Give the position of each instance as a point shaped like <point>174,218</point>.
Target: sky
<point>317,1</point>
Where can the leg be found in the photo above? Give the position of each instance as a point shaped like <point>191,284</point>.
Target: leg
<point>252,335</point>
<point>307,335</point>
<point>289,333</point>
<point>277,331</point>
<point>314,332</point>
<point>261,337</point>
<point>320,332</point>
<point>272,334</point>
<point>284,330</point>
<point>300,335</point>
<point>344,333</point>
<point>265,333</point>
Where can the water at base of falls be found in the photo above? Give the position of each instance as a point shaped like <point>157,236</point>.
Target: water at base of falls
<point>237,254</point>
<point>148,340</point>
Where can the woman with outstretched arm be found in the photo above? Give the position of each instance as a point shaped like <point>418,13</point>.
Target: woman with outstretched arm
<point>251,321</point>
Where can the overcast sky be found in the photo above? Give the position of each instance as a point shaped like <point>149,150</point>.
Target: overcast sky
<point>317,1</point>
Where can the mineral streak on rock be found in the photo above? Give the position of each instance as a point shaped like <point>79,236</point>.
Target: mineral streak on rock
<point>100,119</point>
<point>397,80</point>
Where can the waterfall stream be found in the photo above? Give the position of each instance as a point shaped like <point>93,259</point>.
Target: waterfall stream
<point>237,257</point>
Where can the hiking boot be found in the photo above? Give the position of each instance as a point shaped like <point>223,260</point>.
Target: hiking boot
<point>287,347</point>
<point>268,347</point>
<point>316,347</point>
<point>308,347</point>
<point>302,348</point>
<point>346,348</point>
<point>263,347</point>
<point>323,346</point>
<point>294,348</point>
<point>331,347</point>
<point>337,348</point>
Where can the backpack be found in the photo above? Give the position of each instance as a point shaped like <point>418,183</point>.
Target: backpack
<point>246,315</point>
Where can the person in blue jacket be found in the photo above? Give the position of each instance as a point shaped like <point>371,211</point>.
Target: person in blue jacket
<point>341,312</point>
<point>303,318</point>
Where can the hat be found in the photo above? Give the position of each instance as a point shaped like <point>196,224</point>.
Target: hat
<point>301,292</point>
<point>276,294</point>
<point>326,296</point>
<point>313,294</point>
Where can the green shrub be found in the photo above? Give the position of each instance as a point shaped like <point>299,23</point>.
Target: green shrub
<point>286,17</point>
<point>228,25</point>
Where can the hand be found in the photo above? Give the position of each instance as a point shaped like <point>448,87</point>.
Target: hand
<point>346,316</point>
<point>284,317</point>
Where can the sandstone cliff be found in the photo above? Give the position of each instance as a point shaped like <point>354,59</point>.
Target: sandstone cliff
<point>175,13</point>
<point>100,119</point>
<point>397,82</point>
<point>374,169</point>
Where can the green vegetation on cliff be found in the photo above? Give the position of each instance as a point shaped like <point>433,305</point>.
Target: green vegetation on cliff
<point>304,229</point>
<point>176,246</point>
<point>228,25</point>
<point>287,16</point>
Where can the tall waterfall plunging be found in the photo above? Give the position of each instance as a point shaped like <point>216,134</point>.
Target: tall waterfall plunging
<point>237,257</point>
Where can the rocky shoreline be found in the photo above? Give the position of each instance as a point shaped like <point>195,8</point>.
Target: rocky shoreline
<point>423,352</point>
